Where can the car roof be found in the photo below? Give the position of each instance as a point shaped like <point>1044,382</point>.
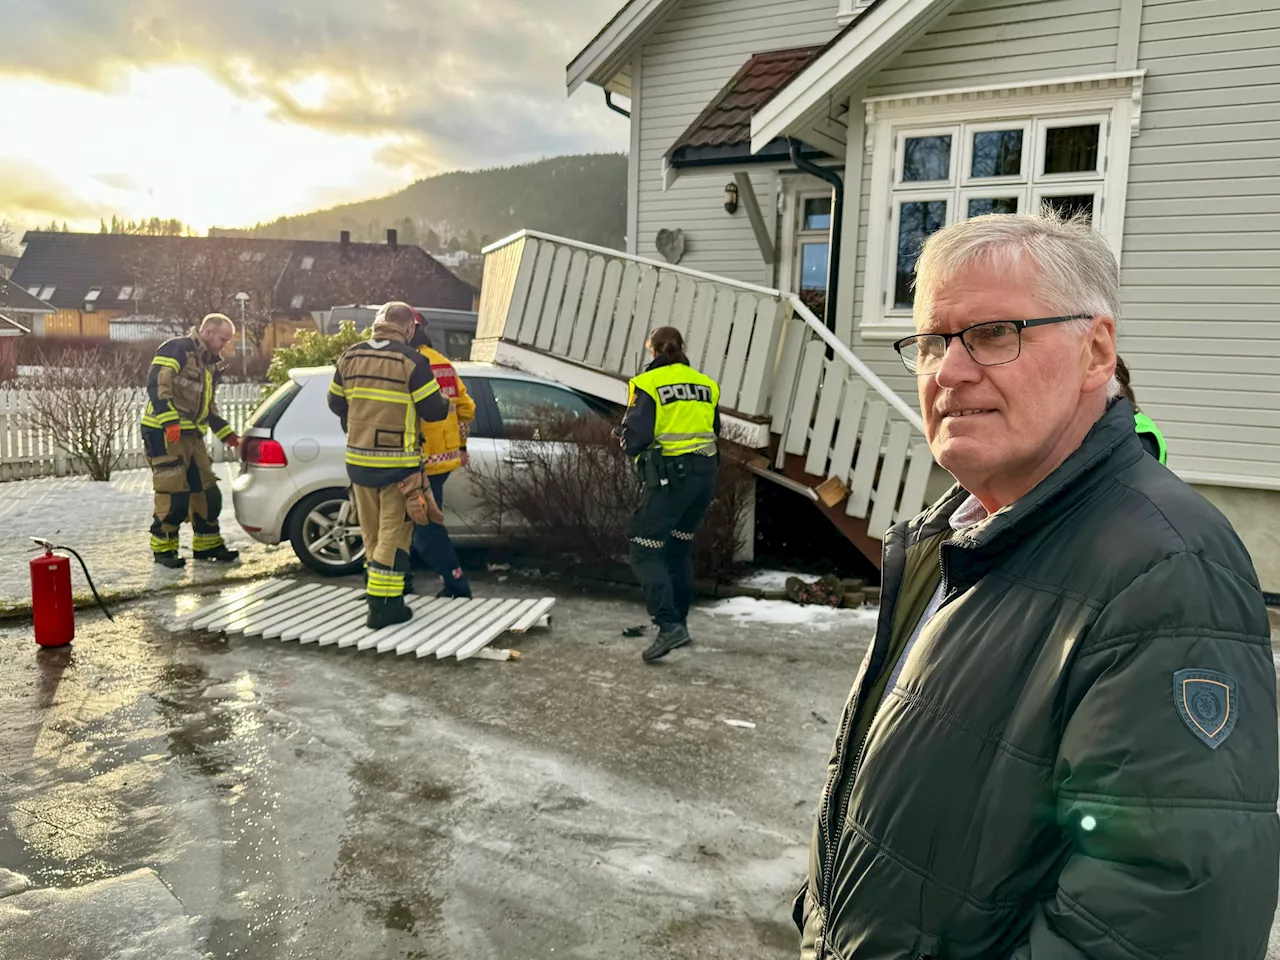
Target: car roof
<point>465,368</point>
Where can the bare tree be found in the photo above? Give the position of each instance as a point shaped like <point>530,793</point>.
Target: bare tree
<point>83,407</point>
<point>185,279</point>
<point>8,239</point>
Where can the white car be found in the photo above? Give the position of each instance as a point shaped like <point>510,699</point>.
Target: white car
<point>292,482</point>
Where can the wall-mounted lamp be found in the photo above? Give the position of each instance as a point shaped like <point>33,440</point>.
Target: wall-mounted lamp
<point>731,197</point>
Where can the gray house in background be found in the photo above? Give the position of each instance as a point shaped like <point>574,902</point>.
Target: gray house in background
<point>1161,119</point>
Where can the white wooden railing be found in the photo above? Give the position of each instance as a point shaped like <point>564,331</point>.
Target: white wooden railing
<point>27,452</point>
<point>594,307</point>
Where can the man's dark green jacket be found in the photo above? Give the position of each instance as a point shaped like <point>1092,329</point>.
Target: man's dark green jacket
<point>1079,757</point>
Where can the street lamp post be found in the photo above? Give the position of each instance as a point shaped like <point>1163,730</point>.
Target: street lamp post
<point>243,298</point>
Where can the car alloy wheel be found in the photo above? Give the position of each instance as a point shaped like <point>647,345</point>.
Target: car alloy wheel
<point>330,534</point>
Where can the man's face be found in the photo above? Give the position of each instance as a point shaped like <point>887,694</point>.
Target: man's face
<point>216,338</point>
<point>994,427</point>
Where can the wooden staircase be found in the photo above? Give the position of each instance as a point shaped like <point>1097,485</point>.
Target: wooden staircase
<point>821,422</point>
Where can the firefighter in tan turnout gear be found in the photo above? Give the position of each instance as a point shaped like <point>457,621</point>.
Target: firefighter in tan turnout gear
<point>180,408</point>
<point>381,389</point>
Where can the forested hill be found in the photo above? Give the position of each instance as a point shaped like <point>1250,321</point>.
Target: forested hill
<point>582,197</point>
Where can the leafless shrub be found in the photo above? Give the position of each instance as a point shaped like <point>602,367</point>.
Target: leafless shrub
<point>84,405</point>
<point>571,489</point>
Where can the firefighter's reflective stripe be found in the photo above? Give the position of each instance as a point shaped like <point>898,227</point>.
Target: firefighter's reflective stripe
<point>167,362</point>
<point>425,391</point>
<point>150,419</point>
<point>163,544</point>
<point>207,400</point>
<point>685,408</point>
<point>206,541</point>
<point>384,583</point>
<point>224,432</point>
<point>337,389</point>
<point>391,458</point>
<point>373,393</point>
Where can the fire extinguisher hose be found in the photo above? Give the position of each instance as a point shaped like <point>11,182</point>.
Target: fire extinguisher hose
<point>101,602</point>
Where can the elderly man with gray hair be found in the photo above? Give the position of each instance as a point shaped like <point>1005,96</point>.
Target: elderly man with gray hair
<point>1062,742</point>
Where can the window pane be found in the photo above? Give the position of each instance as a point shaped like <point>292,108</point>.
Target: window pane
<point>917,221</point>
<point>1071,206</point>
<point>535,411</point>
<point>817,214</point>
<point>978,208</point>
<point>1071,149</point>
<point>926,158</point>
<point>813,266</point>
<point>997,153</point>
<point>457,344</point>
<point>813,277</point>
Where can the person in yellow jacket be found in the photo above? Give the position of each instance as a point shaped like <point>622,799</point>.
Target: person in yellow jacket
<point>444,450</point>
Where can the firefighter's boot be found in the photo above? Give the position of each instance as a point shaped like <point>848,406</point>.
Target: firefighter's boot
<point>170,559</point>
<point>218,554</point>
<point>387,612</point>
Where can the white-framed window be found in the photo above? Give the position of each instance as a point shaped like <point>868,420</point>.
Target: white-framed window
<point>297,301</point>
<point>126,293</point>
<point>307,263</point>
<point>805,248</point>
<point>34,291</point>
<point>850,10</point>
<point>939,158</point>
<point>47,292</point>
<point>93,294</point>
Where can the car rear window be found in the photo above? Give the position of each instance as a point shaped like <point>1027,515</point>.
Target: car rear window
<point>268,415</point>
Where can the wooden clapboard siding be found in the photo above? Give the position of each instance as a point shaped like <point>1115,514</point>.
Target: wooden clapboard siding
<point>1201,250</point>
<point>683,65</point>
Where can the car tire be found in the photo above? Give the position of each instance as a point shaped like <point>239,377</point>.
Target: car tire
<point>311,521</point>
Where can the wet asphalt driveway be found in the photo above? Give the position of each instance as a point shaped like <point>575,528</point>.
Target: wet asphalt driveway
<point>322,803</point>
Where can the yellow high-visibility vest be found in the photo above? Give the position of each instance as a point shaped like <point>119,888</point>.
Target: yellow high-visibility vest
<point>685,402</point>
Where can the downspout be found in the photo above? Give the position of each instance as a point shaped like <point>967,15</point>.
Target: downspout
<point>837,225</point>
<point>608,102</point>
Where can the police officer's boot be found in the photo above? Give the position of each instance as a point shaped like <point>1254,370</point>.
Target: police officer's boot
<point>671,636</point>
<point>387,612</point>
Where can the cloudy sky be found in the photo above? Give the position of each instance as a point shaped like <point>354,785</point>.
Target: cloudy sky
<point>235,111</point>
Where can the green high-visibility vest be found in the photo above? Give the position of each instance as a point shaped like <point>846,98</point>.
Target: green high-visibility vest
<point>1144,424</point>
<point>685,402</point>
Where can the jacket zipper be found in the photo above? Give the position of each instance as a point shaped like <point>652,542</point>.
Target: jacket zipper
<point>832,838</point>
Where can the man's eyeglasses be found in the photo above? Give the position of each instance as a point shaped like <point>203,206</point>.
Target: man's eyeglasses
<point>990,344</point>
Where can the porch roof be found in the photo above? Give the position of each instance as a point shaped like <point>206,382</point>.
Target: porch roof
<point>721,134</point>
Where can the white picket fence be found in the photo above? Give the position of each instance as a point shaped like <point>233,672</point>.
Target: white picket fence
<point>26,452</point>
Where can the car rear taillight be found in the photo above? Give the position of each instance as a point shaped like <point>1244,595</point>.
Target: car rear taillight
<point>262,452</point>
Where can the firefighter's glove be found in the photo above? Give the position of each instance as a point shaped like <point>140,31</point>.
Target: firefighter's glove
<point>232,440</point>
<point>419,503</point>
<point>172,432</point>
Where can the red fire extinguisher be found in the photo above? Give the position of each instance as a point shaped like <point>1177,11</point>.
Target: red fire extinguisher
<point>52,608</point>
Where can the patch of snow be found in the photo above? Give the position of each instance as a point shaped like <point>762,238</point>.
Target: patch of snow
<point>770,579</point>
<point>787,613</point>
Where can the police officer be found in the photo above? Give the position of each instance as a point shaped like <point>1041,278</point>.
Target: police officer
<point>670,430</point>
<point>381,389</point>
<point>1150,435</point>
<point>180,408</point>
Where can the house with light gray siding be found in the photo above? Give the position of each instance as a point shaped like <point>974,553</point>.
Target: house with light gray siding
<point>761,129</point>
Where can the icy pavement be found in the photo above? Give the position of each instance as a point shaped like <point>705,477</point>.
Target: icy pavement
<point>304,802</point>
<point>795,617</point>
<point>108,523</point>
<point>124,918</point>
